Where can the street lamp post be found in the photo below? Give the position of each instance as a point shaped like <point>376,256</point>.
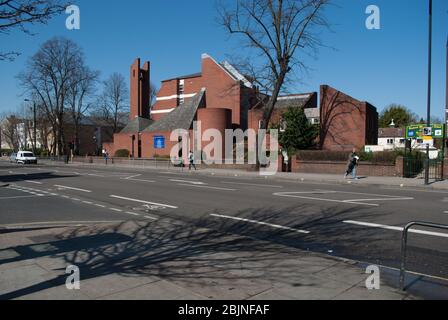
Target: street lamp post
<point>34,126</point>
<point>428,122</point>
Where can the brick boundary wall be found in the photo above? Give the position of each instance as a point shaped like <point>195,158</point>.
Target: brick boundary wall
<point>339,167</point>
<point>445,169</point>
<point>298,166</point>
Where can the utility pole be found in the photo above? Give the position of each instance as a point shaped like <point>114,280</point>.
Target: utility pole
<point>34,126</point>
<point>428,122</point>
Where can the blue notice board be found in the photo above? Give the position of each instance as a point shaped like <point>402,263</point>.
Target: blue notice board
<point>159,142</point>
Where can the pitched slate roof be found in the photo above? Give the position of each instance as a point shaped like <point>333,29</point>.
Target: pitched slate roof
<point>180,118</point>
<point>295,100</point>
<point>137,125</point>
<point>391,132</point>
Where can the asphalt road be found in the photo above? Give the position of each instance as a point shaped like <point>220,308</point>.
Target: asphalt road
<point>351,221</point>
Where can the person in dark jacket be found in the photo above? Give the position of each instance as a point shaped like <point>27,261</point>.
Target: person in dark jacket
<point>352,165</point>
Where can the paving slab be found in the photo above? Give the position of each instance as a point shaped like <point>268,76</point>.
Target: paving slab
<point>195,264</point>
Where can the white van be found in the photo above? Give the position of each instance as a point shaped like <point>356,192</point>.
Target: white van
<point>26,157</point>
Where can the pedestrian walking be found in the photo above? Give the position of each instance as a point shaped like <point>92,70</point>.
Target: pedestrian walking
<point>106,155</point>
<point>191,161</point>
<point>352,165</point>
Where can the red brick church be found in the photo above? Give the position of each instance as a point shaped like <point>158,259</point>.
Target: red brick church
<point>222,98</point>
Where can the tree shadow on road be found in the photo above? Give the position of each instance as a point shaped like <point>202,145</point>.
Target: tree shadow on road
<point>11,178</point>
<point>208,252</point>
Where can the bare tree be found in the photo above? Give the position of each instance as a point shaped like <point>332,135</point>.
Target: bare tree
<point>49,76</point>
<point>11,131</point>
<point>112,102</point>
<point>80,91</point>
<point>19,14</point>
<point>277,31</point>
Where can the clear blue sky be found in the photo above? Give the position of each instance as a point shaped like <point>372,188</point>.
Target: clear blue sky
<point>382,67</point>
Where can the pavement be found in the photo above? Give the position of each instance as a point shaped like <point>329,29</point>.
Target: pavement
<point>292,176</point>
<point>218,235</point>
<point>161,260</point>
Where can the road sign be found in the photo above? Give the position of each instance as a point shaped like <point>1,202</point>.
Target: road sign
<point>159,142</point>
<point>421,131</point>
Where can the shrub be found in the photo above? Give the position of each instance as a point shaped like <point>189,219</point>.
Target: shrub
<point>122,153</point>
<point>6,152</point>
<point>383,157</point>
<point>158,157</point>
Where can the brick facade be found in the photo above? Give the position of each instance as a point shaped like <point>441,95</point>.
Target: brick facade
<point>229,102</point>
<point>346,123</point>
<point>140,90</point>
<point>339,167</point>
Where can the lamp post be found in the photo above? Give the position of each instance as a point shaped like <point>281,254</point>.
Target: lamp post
<point>34,126</point>
<point>428,122</point>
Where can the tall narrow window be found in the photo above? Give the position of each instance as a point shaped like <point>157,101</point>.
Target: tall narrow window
<point>181,91</point>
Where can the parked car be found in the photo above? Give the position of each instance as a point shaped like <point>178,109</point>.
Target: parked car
<point>26,157</point>
<point>13,157</point>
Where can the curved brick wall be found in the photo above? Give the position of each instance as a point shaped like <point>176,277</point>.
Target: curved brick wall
<point>213,118</point>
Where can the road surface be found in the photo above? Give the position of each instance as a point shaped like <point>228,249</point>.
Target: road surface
<point>362,223</point>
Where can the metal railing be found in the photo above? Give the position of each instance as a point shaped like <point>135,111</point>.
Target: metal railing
<point>404,243</point>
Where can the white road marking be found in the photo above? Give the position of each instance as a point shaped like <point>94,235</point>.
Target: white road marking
<point>253,184</point>
<point>96,175</point>
<point>289,194</point>
<point>100,205</point>
<point>35,182</point>
<point>206,187</point>
<point>87,202</point>
<point>446,212</point>
<point>72,188</point>
<point>132,178</point>
<point>260,223</point>
<point>19,197</point>
<point>75,199</point>
<point>143,201</point>
<point>133,213</point>
<point>152,218</point>
<point>188,181</point>
<point>115,209</point>
<point>381,197</point>
<point>393,228</point>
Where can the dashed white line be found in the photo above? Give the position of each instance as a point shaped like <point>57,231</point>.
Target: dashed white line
<point>115,209</point>
<point>152,218</point>
<point>143,201</point>
<point>253,184</point>
<point>72,188</point>
<point>393,228</point>
<point>17,197</point>
<point>35,182</point>
<point>205,187</point>
<point>188,181</point>
<point>87,202</point>
<point>275,226</point>
<point>291,195</point>
<point>132,213</point>
<point>99,205</point>
<point>75,199</point>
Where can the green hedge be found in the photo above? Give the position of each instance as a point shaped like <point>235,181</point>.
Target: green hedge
<point>122,153</point>
<point>383,157</point>
<point>6,151</point>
